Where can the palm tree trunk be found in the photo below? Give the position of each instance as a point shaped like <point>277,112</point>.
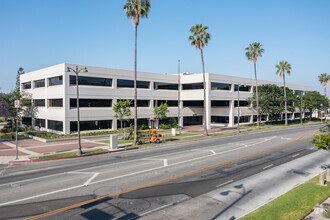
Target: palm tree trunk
<point>204,88</point>
<point>285,107</point>
<point>326,105</point>
<point>255,76</point>
<point>135,142</point>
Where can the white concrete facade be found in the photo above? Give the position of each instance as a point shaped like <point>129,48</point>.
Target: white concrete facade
<point>66,113</point>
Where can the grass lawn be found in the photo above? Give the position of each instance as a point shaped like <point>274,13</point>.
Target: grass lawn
<point>68,154</point>
<point>295,204</point>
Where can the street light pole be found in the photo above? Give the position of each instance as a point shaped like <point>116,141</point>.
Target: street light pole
<point>238,116</point>
<point>301,110</point>
<point>77,71</point>
<point>179,96</point>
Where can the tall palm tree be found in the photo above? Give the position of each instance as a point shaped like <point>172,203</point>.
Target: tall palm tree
<point>253,51</point>
<point>281,68</point>
<point>323,79</point>
<point>134,10</point>
<point>199,39</point>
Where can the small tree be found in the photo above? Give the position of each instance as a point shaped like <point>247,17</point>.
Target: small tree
<point>160,111</point>
<point>3,108</point>
<point>322,141</point>
<point>313,101</point>
<point>122,111</point>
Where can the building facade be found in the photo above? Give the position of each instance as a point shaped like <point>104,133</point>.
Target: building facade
<point>53,90</point>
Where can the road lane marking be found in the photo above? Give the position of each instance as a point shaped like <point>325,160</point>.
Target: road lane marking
<point>295,155</point>
<point>268,166</point>
<point>165,163</point>
<point>90,179</point>
<point>36,196</point>
<point>213,152</point>
<point>224,183</point>
<point>163,180</point>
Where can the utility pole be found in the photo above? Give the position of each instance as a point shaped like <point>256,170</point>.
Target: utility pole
<point>179,81</point>
<point>17,105</point>
<point>238,115</point>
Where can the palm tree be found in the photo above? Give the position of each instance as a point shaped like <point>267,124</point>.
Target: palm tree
<point>281,68</point>
<point>134,10</point>
<point>323,79</point>
<point>199,39</point>
<point>253,51</point>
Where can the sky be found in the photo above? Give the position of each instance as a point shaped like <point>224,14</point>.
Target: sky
<point>41,33</point>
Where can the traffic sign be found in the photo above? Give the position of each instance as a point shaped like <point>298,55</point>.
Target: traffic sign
<point>17,103</point>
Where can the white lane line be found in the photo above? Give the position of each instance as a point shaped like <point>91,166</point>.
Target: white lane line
<point>312,148</point>
<point>165,163</point>
<point>295,155</point>
<point>36,196</point>
<point>90,179</point>
<point>2,172</point>
<point>213,152</point>
<point>75,172</point>
<point>268,166</point>
<point>224,183</point>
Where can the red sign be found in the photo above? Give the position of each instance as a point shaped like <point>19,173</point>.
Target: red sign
<point>17,103</point>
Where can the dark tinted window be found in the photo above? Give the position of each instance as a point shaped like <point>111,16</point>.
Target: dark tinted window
<point>27,85</point>
<point>55,102</point>
<point>39,83</point>
<point>39,102</point>
<point>220,119</point>
<point>242,119</point>
<point>192,120</point>
<point>40,123</point>
<point>298,92</point>
<point>263,118</point>
<point>241,103</point>
<point>220,86</point>
<point>91,125</point>
<point>242,88</point>
<point>123,83</point>
<point>193,103</point>
<point>56,81</point>
<point>27,121</point>
<point>91,103</point>
<point>220,103</point>
<point>55,125</point>
<point>140,103</point>
<point>192,86</point>
<point>140,121</point>
<point>165,86</point>
<point>91,81</point>
<point>170,103</point>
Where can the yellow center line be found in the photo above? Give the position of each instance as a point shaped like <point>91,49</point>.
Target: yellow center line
<point>160,181</point>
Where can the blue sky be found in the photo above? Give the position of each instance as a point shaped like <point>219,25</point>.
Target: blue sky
<point>41,33</point>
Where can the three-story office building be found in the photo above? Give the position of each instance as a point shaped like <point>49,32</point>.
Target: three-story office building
<point>53,90</point>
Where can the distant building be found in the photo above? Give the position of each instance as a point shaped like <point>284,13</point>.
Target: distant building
<point>54,92</point>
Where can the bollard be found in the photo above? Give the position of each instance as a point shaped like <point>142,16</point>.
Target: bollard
<point>328,175</point>
<point>321,179</point>
<point>113,142</point>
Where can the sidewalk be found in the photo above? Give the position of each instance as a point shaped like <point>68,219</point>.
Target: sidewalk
<point>239,198</point>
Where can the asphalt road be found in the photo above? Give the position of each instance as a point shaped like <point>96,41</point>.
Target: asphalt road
<point>128,185</point>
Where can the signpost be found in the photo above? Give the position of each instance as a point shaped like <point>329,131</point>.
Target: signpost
<point>17,105</point>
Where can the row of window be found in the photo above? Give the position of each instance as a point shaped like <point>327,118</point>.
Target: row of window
<point>104,103</point>
<point>123,83</point>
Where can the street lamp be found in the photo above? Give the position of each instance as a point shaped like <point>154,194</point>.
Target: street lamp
<point>77,71</point>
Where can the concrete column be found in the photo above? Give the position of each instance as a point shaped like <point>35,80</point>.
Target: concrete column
<point>251,119</point>
<point>66,126</point>
<point>114,120</point>
<point>181,113</point>
<point>231,113</point>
